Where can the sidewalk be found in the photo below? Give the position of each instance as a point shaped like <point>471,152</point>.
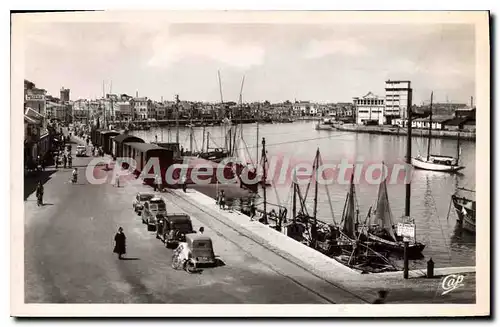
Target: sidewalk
<point>413,290</point>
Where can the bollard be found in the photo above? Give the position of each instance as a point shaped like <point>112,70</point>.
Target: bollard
<point>430,268</point>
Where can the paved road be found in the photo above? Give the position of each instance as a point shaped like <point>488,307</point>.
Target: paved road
<point>69,259</point>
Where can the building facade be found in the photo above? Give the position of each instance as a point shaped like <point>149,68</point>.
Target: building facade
<point>369,109</point>
<point>142,108</point>
<point>64,95</point>
<point>397,96</point>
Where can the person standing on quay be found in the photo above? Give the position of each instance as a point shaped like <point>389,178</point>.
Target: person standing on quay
<point>222,200</point>
<point>120,247</point>
<point>39,194</point>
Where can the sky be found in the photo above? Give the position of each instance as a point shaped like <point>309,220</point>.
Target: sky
<point>319,63</point>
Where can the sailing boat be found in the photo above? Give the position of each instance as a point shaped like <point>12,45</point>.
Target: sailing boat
<point>362,255</point>
<point>382,229</point>
<point>436,162</point>
<point>465,206</point>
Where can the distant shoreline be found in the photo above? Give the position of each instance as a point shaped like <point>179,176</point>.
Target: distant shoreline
<point>416,132</point>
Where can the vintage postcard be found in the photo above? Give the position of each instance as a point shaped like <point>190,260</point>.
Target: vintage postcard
<point>219,163</point>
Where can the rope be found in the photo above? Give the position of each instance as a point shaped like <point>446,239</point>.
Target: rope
<point>440,227</point>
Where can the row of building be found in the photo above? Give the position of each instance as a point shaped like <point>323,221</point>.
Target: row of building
<point>41,111</point>
<point>393,108</point>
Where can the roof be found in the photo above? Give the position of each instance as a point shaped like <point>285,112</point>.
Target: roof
<point>144,147</point>
<point>30,120</point>
<point>435,119</point>
<point>122,138</point>
<point>197,237</point>
<point>177,217</point>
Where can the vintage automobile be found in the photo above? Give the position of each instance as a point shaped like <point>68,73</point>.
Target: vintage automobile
<point>172,228</point>
<point>151,208</point>
<point>81,151</point>
<point>195,252</point>
<point>139,200</point>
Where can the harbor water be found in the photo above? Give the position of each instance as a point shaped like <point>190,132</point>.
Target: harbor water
<point>435,219</point>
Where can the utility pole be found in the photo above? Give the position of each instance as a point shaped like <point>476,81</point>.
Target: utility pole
<point>111,101</point>
<point>472,102</point>
<point>408,171</point>
<point>264,178</point>
<point>177,118</point>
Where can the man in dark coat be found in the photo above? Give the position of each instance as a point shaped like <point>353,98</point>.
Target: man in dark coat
<point>39,194</point>
<point>120,247</point>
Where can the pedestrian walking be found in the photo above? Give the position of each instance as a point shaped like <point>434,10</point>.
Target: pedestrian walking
<point>184,183</point>
<point>253,210</point>
<point>159,183</point>
<point>120,246</point>
<point>382,295</point>
<point>65,160</point>
<point>222,200</point>
<point>39,194</point>
<point>56,159</point>
<point>70,161</point>
<point>117,180</point>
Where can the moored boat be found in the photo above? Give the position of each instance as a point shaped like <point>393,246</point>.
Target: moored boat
<point>437,162</point>
<point>465,208</point>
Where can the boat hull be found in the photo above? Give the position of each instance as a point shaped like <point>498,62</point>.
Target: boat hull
<point>425,165</point>
<point>414,249</point>
<point>466,213</point>
<point>324,128</point>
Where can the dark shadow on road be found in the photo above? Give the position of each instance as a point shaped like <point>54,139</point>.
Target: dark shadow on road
<point>219,263</point>
<point>31,181</point>
<point>130,259</point>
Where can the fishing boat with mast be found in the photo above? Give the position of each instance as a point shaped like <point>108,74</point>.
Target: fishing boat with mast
<point>339,241</point>
<point>381,230</point>
<point>436,162</point>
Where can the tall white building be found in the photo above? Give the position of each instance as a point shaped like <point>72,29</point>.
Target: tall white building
<point>369,109</point>
<point>397,94</point>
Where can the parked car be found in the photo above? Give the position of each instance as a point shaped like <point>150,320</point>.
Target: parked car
<point>151,209</point>
<point>81,151</point>
<point>196,251</point>
<point>139,200</point>
<point>172,228</point>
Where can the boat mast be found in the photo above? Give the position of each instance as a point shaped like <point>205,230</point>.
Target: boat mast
<point>315,209</point>
<point>208,140</point>
<point>258,107</point>
<point>408,153</point>
<point>223,125</point>
<point>203,142</point>
<point>191,139</point>
<point>408,185</point>
<point>458,146</point>
<point>294,202</point>
<point>264,177</point>
<point>177,118</point>
<point>430,130</point>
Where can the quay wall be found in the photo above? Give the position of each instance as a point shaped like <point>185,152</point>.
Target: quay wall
<point>416,132</point>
